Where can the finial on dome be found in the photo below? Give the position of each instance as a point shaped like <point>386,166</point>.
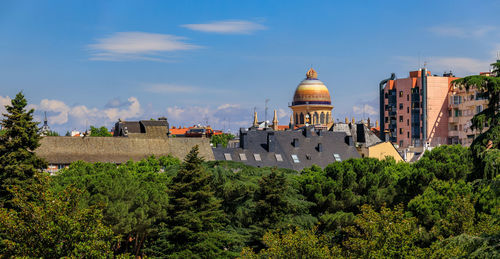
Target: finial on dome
<point>311,74</point>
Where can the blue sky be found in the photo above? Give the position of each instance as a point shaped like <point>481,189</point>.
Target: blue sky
<point>92,62</point>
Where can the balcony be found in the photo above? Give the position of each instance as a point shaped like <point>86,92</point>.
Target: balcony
<point>453,119</point>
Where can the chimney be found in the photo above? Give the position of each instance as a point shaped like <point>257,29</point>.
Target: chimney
<point>368,123</point>
<point>290,126</point>
<point>271,142</point>
<point>320,147</point>
<point>307,132</point>
<point>243,139</point>
<point>353,120</point>
<point>376,124</point>
<point>295,142</point>
<point>348,141</point>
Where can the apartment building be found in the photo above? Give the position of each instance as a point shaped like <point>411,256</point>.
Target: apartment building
<point>414,110</point>
<point>463,105</point>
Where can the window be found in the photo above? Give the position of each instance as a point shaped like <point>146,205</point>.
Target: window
<point>407,97</point>
<point>243,157</point>
<point>407,122</point>
<point>400,143</point>
<point>386,95</point>
<point>407,109</point>
<point>400,93</point>
<point>458,113</point>
<point>408,134</point>
<point>400,106</point>
<point>279,158</point>
<point>457,99</point>
<point>227,156</point>
<point>479,108</point>
<point>400,118</point>
<point>257,157</point>
<point>400,130</point>
<point>386,119</point>
<point>337,157</point>
<point>295,159</point>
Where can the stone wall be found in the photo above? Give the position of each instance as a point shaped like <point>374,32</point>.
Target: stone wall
<point>64,150</point>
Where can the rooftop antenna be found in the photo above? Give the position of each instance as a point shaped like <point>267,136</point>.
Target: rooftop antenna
<point>265,114</point>
<point>419,60</point>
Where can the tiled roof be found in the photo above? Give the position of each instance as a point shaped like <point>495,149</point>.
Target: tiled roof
<point>291,149</point>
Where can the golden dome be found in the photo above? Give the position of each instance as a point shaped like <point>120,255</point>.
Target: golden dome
<point>311,91</point>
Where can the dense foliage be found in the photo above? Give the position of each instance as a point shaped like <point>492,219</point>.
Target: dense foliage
<point>445,205</point>
<point>221,139</point>
<point>99,132</point>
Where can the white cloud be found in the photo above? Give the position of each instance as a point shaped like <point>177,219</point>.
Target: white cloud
<point>227,27</point>
<point>462,32</point>
<point>4,101</point>
<point>80,115</point>
<point>365,109</point>
<point>122,46</point>
<point>171,89</point>
<point>283,114</point>
<point>228,106</point>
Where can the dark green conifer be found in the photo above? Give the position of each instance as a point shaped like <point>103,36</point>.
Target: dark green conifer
<point>18,161</point>
<point>195,221</point>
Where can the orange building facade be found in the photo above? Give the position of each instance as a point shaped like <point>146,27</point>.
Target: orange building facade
<point>414,110</point>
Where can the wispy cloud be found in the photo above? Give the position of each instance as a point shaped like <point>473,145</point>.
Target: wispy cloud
<point>364,109</point>
<point>171,89</point>
<point>461,32</point>
<point>122,46</point>
<point>227,27</point>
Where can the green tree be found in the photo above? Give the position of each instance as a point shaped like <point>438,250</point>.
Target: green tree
<point>447,162</point>
<point>194,228</point>
<point>487,141</point>
<point>18,161</point>
<point>432,206</point>
<point>133,196</point>
<point>278,206</point>
<point>45,224</point>
<point>293,244</point>
<point>51,133</point>
<point>222,139</point>
<point>99,132</point>
<point>385,234</point>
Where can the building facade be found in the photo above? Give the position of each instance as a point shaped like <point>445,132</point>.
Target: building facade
<point>426,109</point>
<point>462,106</point>
<point>414,110</point>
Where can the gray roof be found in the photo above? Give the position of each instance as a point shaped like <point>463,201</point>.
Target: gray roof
<point>153,128</point>
<point>255,144</point>
<point>361,135</point>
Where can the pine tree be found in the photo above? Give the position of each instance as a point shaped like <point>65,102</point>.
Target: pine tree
<point>18,161</point>
<point>195,221</point>
<point>489,141</point>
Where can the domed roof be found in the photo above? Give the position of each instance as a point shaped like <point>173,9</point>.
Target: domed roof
<point>311,91</point>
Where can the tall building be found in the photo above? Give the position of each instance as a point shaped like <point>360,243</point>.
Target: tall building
<point>463,105</point>
<point>312,103</point>
<point>414,110</point>
<point>428,109</point>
